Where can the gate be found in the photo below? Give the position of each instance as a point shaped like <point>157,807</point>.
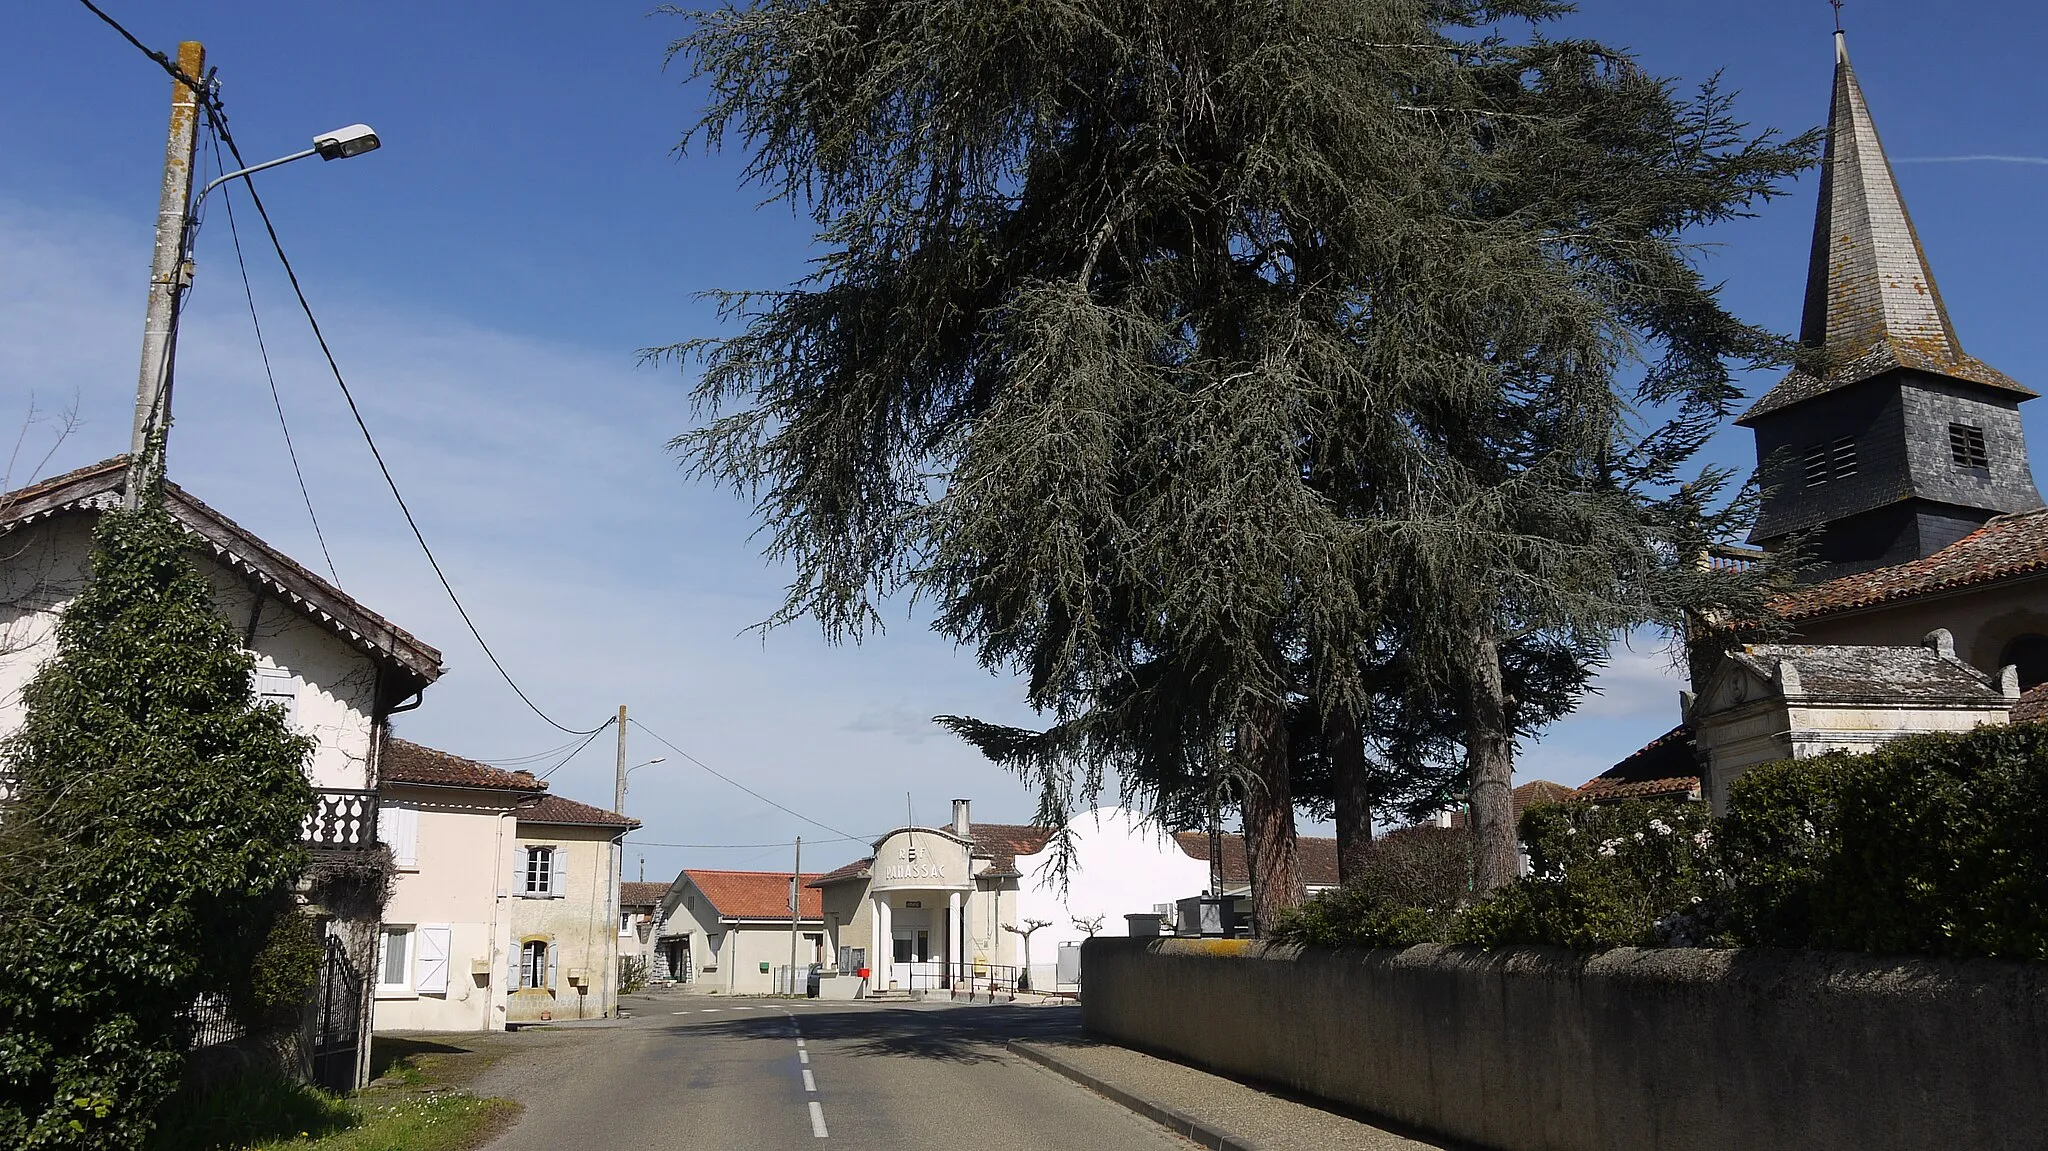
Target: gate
<point>337,1023</point>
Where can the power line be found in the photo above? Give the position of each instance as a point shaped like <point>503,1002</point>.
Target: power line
<point>746,846</point>
<point>736,783</point>
<point>290,449</point>
<point>587,741</point>
<point>217,115</point>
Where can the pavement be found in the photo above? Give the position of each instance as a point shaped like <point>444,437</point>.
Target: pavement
<point>715,1072</point>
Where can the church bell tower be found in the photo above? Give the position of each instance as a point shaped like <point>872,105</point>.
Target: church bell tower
<point>1890,443</point>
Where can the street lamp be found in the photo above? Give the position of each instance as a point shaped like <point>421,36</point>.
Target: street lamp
<point>630,771</point>
<point>340,144</point>
<point>171,270</point>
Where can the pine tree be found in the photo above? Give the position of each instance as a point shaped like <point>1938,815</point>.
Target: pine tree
<point>151,840</point>
<point>1187,354</point>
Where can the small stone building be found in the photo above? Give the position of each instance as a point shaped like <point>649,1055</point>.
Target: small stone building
<point>564,914</point>
<point>1769,702</point>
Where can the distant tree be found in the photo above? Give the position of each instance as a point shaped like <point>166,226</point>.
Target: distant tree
<point>1188,356</point>
<point>1025,933</point>
<point>151,842</point>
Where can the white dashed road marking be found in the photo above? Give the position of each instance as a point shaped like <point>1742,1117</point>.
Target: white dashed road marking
<point>802,1056</point>
<point>817,1121</point>
<point>810,1084</point>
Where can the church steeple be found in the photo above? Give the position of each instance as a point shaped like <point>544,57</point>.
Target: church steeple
<point>1888,442</point>
<point>1872,305</point>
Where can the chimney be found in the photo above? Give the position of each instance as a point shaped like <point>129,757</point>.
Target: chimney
<point>960,818</point>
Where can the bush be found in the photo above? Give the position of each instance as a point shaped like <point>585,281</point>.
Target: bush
<point>1934,843</point>
<point>1638,873</point>
<point>1415,881</point>
<point>282,976</point>
<point>151,840</point>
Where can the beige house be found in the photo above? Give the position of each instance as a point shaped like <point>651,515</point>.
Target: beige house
<point>338,669</point>
<point>451,824</point>
<point>564,912</point>
<point>729,931</point>
<point>1769,702</point>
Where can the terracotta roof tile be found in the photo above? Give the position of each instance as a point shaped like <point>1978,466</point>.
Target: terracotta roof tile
<point>758,894</point>
<point>858,869</point>
<point>96,486</point>
<point>1666,766</point>
<point>2006,547</point>
<point>2032,706</point>
<point>554,809</point>
<point>1315,857</point>
<point>407,762</point>
<point>1004,842</point>
<point>1528,795</point>
<point>641,894</point>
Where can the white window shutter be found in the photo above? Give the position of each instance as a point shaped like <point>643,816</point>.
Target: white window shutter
<point>398,827</point>
<point>554,954</point>
<point>559,881</point>
<point>513,959</point>
<point>430,958</point>
<point>518,887</point>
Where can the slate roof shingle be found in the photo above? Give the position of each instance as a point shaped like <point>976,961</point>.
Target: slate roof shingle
<point>1872,305</point>
<point>1851,672</point>
<point>407,762</point>
<point>758,894</point>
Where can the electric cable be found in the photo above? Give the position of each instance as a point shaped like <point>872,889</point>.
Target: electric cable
<point>564,761</point>
<point>748,846</point>
<point>277,402</point>
<point>736,783</point>
<point>217,115</point>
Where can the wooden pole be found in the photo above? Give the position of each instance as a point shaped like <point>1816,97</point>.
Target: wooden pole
<point>167,279</point>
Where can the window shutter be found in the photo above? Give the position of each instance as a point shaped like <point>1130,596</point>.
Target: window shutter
<point>513,958</point>
<point>554,954</point>
<point>430,959</point>
<point>398,826</point>
<point>518,887</point>
<point>558,882</point>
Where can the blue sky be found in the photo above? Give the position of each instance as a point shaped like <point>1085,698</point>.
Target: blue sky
<point>488,277</point>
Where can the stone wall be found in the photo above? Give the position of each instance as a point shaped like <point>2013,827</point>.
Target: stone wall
<point>1530,1049</point>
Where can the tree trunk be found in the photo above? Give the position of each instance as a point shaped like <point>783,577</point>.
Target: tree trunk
<point>1268,813</point>
<point>1351,789</point>
<point>1490,764</point>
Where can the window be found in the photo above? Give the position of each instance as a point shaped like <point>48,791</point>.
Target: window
<point>536,968</point>
<point>1966,446</point>
<point>398,827</point>
<point>540,873</point>
<point>278,686</point>
<point>1830,461</point>
<point>392,967</point>
<point>625,923</point>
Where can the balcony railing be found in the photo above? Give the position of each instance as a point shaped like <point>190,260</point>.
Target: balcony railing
<point>342,821</point>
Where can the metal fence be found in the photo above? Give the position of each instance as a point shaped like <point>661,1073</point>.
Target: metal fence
<point>212,1022</point>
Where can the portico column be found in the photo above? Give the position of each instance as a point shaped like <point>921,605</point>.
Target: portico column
<point>877,928</point>
<point>953,938</point>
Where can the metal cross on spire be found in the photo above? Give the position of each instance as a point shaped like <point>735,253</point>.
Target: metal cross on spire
<point>1838,14</point>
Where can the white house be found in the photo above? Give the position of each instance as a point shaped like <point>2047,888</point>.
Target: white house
<point>937,905</point>
<point>337,668</point>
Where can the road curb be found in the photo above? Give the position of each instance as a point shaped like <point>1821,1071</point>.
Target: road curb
<point>1177,1122</point>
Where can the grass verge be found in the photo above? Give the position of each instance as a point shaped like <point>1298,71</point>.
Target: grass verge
<point>406,1111</point>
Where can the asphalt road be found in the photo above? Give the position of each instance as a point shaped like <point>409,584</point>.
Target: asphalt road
<point>701,1073</point>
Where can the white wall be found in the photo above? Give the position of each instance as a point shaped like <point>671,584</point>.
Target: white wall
<point>458,876</point>
<point>1122,866</point>
<point>43,568</point>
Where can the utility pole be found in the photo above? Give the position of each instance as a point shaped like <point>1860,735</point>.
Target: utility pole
<point>619,792</point>
<point>167,275</point>
<point>795,901</point>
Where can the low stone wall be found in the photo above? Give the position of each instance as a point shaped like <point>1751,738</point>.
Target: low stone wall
<point>1530,1049</point>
